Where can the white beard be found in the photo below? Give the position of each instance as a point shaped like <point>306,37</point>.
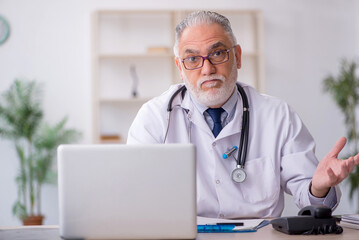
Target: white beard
<point>213,98</point>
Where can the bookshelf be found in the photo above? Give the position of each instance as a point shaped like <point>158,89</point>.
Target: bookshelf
<point>133,61</point>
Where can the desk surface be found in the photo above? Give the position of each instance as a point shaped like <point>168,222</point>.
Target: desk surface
<point>268,233</point>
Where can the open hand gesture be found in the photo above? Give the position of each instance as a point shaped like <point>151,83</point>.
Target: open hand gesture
<point>331,170</point>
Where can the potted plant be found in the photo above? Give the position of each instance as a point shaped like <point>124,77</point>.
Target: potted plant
<point>21,120</point>
<point>344,90</point>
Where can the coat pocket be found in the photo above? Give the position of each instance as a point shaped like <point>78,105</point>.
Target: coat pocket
<point>262,184</point>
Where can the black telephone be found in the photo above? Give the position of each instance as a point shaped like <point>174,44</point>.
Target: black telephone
<point>310,220</point>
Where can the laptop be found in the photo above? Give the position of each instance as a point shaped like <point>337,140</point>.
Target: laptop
<point>127,191</point>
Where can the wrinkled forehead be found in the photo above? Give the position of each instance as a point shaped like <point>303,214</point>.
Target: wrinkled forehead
<point>203,37</point>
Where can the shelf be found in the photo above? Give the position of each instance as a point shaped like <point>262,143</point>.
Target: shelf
<point>123,100</point>
<point>135,55</point>
<point>119,76</point>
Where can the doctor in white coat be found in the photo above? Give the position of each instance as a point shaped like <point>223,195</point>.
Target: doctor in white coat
<point>280,155</point>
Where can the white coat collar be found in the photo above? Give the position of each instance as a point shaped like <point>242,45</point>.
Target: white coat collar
<point>193,114</point>
<point>197,118</point>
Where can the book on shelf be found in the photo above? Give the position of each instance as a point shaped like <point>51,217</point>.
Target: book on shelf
<point>110,138</point>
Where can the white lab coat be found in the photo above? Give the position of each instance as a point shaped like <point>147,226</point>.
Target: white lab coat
<point>280,154</point>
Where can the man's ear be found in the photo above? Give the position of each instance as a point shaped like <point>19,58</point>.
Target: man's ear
<point>179,66</point>
<point>238,55</point>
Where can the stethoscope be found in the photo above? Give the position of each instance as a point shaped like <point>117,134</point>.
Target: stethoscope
<point>238,174</point>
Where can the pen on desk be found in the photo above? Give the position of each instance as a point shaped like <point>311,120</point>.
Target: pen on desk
<point>220,229</point>
<point>230,223</point>
<point>215,228</point>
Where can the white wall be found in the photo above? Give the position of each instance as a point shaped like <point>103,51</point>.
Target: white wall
<point>357,28</point>
<point>50,42</point>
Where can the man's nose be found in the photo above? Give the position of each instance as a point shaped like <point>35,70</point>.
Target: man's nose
<point>208,68</point>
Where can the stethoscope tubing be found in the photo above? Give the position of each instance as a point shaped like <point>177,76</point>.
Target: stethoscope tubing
<point>243,144</point>
<point>242,151</point>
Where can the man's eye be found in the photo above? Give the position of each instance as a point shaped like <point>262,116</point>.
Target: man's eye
<point>217,53</point>
<point>192,59</point>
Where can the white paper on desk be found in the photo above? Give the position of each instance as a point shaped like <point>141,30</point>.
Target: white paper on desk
<point>247,223</point>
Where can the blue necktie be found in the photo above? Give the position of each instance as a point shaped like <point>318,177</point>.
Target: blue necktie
<point>215,114</point>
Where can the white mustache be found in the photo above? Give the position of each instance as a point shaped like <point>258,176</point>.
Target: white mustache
<point>209,78</point>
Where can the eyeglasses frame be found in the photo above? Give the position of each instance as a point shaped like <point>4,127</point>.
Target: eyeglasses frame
<point>207,58</point>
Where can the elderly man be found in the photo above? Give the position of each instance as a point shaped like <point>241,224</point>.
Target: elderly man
<point>268,154</point>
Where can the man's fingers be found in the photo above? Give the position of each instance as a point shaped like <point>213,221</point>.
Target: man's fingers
<point>350,164</point>
<point>339,145</point>
<point>332,177</point>
<point>344,171</point>
<point>356,159</point>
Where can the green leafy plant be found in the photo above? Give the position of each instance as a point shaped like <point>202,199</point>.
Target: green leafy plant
<point>21,120</point>
<point>344,90</point>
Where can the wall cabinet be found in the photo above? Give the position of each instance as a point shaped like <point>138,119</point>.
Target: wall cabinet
<point>133,61</point>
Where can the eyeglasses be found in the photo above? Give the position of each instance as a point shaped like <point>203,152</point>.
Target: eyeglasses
<point>216,57</point>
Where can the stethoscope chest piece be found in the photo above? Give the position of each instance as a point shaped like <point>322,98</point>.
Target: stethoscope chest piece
<point>239,175</point>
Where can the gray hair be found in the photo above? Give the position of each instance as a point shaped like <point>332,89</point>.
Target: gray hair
<point>203,17</point>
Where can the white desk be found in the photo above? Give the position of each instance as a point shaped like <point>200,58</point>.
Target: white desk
<point>266,233</point>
